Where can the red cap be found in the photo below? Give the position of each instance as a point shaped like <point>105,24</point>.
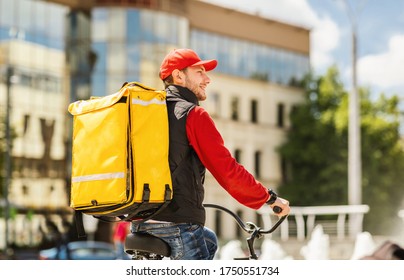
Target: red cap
<point>183,58</point>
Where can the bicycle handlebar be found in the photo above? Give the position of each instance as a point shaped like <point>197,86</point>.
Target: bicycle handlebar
<point>247,227</point>
<point>254,231</point>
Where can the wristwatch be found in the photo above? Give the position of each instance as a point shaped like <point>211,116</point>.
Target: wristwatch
<point>273,197</point>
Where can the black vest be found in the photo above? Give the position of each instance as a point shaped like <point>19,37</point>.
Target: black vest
<point>187,171</point>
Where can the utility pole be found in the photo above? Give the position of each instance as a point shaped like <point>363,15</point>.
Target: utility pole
<point>354,133</point>
<point>354,143</point>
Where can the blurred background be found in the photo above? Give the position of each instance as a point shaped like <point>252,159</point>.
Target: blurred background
<point>307,95</point>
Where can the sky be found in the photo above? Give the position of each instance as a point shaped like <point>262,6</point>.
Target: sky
<point>380,33</point>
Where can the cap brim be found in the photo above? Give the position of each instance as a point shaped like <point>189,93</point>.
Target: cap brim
<point>208,64</point>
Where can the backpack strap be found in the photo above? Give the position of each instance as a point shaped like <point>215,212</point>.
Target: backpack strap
<point>78,217</point>
<point>129,217</point>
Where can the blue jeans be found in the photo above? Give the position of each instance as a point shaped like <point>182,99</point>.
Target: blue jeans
<point>120,251</point>
<point>187,241</point>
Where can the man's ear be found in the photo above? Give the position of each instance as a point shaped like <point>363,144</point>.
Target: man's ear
<point>177,77</point>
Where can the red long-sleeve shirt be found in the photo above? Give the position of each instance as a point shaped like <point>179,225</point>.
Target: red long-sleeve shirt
<point>233,177</point>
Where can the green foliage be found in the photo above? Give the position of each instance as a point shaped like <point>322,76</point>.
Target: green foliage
<point>2,150</point>
<point>316,151</point>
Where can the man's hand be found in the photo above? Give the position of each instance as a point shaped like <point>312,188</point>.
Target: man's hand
<point>280,207</point>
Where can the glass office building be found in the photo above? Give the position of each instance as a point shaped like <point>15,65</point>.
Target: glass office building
<point>29,21</point>
<point>128,44</point>
<point>32,81</point>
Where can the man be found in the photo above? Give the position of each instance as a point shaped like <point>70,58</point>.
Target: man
<point>121,229</point>
<point>196,144</point>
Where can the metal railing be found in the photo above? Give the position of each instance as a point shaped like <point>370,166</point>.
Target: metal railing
<point>305,218</point>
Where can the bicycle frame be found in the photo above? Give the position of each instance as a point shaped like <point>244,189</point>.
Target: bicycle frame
<point>145,246</point>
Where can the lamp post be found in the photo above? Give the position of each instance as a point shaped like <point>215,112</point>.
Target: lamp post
<point>354,133</point>
<point>354,144</point>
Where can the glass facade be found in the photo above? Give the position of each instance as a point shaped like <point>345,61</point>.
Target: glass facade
<point>32,45</point>
<point>31,21</point>
<point>28,21</point>
<point>80,56</point>
<point>125,39</point>
<point>114,45</point>
<point>251,60</point>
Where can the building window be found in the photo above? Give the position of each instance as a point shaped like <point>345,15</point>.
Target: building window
<point>237,155</point>
<point>257,164</point>
<point>218,223</point>
<point>254,111</point>
<point>251,60</point>
<point>258,220</point>
<point>239,232</point>
<point>26,122</point>
<point>213,104</point>
<point>280,118</point>
<point>25,190</point>
<point>293,110</point>
<point>234,108</point>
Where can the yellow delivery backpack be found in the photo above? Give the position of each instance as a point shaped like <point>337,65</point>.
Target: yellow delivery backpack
<point>120,168</point>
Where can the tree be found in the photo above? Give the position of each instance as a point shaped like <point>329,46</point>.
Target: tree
<point>2,150</point>
<point>316,151</point>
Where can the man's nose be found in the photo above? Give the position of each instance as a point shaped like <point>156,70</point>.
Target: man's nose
<point>207,79</point>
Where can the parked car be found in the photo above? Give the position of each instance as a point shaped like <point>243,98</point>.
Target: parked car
<point>80,250</point>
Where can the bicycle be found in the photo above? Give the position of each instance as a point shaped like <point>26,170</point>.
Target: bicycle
<point>143,246</point>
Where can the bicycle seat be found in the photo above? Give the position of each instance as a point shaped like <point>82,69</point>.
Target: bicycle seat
<point>143,242</point>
